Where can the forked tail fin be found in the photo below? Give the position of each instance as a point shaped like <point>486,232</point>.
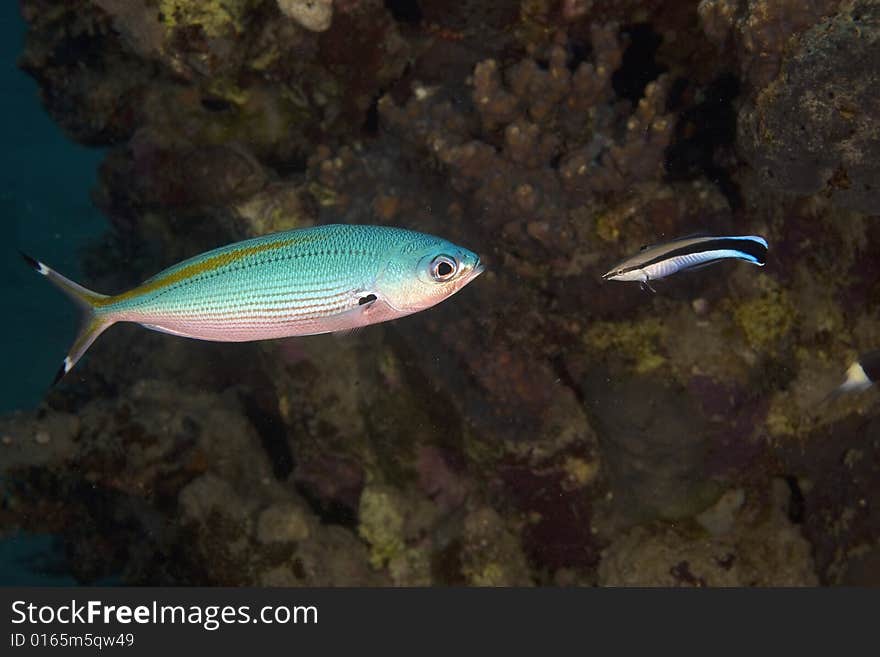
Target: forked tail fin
<point>93,324</point>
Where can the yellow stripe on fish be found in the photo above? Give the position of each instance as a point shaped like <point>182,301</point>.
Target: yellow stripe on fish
<point>194,269</point>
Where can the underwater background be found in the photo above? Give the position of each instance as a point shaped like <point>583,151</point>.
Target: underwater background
<point>45,206</point>
<point>542,427</point>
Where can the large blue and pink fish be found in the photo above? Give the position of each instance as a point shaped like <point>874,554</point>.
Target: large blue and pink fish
<point>324,279</point>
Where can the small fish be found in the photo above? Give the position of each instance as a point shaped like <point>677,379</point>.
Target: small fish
<point>660,260</point>
<point>324,279</point>
<point>861,375</point>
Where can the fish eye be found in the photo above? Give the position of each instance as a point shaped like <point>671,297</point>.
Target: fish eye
<point>443,268</point>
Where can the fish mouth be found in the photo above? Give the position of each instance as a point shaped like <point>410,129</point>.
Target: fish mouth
<point>478,269</point>
<point>607,275</point>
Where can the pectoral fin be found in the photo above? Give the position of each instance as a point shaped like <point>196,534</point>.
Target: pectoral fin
<point>353,320</point>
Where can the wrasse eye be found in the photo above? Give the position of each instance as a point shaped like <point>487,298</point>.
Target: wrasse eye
<point>443,268</point>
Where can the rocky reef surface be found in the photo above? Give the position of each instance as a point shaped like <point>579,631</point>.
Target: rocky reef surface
<point>545,426</point>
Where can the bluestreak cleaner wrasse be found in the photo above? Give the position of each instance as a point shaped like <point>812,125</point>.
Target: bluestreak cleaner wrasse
<point>861,375</point>
<point>300,282</point>
<point>660,260</point>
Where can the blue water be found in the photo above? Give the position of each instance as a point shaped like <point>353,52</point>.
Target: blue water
<point>46,211</point>
<point>32,560</point>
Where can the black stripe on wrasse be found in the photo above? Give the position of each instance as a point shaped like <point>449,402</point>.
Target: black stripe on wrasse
<point>749,247</point>
<point>367,299</point>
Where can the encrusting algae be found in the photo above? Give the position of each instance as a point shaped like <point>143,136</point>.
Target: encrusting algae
<point>214,17</point>
<point>639,342</point>
<point>767,318</point>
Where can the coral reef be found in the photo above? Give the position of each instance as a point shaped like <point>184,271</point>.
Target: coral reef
<point>546,427</point>
<point>560,127</point>
<point>492,555</point>
<point>314,15</point>
<point>760,30</point>
<point>806,127</point>
<point>812,129</point>
<point>744,549</point>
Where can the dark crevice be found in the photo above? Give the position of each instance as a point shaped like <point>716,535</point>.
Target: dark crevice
<point>566,379</point>
<point>214,104</point>
<point>704,130</point>
<point>405,11</point>
<point>273,433</point>
<point>447,566</point>
<point>578,52</point>
<point>639,66</point>
<point>80,50</point>
<point>371,120</point>
<point>678,91</point>
<point>331,512</point>
<point>796,503</point>
<point>726,185</point>
<point>291,165</point>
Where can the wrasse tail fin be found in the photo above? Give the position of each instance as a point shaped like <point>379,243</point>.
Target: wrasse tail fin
<point>93,323</point>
